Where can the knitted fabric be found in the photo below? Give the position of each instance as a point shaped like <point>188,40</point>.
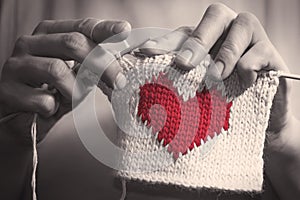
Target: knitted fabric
<point>190,131</point>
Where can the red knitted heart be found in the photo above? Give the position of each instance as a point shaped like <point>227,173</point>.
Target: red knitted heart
<point>181,124</point>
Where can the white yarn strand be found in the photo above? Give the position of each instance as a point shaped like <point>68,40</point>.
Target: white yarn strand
<point>123,197</point>
<point>34,157</point>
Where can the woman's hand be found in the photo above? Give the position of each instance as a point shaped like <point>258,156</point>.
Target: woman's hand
<point>238,41</point>
<point>42,59</point>
<point>234,41</point>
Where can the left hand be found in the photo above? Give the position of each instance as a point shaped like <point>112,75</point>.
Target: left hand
<point>41,59</point>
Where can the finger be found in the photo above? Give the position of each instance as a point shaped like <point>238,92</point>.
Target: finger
<point>36,71</point>
<point>22,98</point>
<point>254,60</point>
<point>74,46</point>
<point>247,69</point>
<point>66,46</point>
<point>241,35</point>
<point>105,66</point>
<point>167,43</point>
<point>95,29</point>
<point>215,21</point>
<point>215,48</point>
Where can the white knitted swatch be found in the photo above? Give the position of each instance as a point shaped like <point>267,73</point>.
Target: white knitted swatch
<point>230,160</point>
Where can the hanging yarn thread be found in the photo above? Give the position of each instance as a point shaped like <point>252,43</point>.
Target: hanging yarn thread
<point>123,196</point>
<point>34,147</point>
<point>34,156</point>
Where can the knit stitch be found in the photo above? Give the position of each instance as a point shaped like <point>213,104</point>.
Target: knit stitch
<point>190,131</point>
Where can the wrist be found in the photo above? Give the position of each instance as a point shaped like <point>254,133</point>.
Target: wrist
<point>288,139</point>
<point>282,160</point>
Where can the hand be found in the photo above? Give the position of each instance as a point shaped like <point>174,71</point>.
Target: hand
<point>42,59</point>
<point>234,41</point>
<point>238,41</point>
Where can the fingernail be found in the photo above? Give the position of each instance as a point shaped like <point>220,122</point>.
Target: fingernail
<point>152,48</point>
<point>183,59</point>
<point>215,71</point>
<point>121,27</point>
<point>120,81</point>
<point>191,54</point>
<point>149,44</point>
<point>186,55</point>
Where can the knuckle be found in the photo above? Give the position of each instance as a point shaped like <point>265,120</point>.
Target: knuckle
<point>229,50</point>
<point>73,41</point>
<point>217,7</point>
<point>218,10</point>
<point>42,26</point>
<point>200,40</point>
<point>21,42</point>
<point>83,23</point>
<point>57,69</point>
<point>266,48</point>
<point>214,10</point>
<point>9,66</point>
<point>247,19</point>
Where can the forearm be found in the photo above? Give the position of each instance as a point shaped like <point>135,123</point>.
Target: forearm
<point>283,161</point>
<point>15,166</point>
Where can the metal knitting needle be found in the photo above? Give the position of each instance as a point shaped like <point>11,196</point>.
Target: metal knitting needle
<point>289,75</point>
<point>9,117</point>
<point>280,74</point>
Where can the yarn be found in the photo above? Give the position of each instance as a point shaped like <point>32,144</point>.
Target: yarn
<point>155,93</point>
<point>123,196</point>
<point>34,157</point>
<point>190,131</point>
<point>33,131</point>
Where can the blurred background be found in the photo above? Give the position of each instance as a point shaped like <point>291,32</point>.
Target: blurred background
<point>66,169</point>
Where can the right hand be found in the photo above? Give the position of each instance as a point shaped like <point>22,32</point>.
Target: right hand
<point>41,58</point>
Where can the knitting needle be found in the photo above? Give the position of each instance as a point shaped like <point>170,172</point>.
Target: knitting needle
<point>281,74</point>
<point>289,75</point>
<point>9,117</point>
